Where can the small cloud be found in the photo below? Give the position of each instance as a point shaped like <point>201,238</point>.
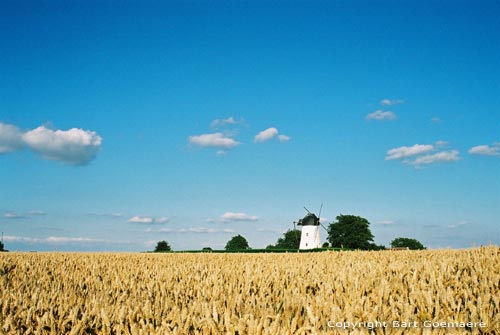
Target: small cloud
<point>148,219</point>
<point>439,157</point>
<point>201,230</point>
<point>13,215</point>
<point>284,138</point>
<point>214,140</point>
<point>53,240</point>
<point>389,102</point>
<point>404,151</point>
<point>37,213</point>
<point>386,222</point>
<point>459,224</point>
<point>162,219</point>
<point>266,135</point>
<point>420,154</point>
<point>165,230</point>
<point>486,150</point>
<point>108,215</point>
<point>141,219</point>
<point>435,120</point>
<point>381,115</point>
<point>229,231</point>
<point>10,138</point>
<point>222,122</point>
<point>221,152</point>
<point>270,133</point>
<point>210,220</point>
<point>231,217</point>
<point>441,144</point>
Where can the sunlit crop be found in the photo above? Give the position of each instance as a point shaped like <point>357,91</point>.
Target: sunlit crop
<point>291,293</point>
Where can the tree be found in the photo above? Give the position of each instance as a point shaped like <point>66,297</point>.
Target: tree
<point>290,240</point>
<point>410,243</point>
<point>163,246</point>
<point>351,232</point>
<point>1,246</point>
<point>238,242</point>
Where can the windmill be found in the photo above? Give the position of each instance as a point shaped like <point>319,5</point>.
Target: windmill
<point>309,237</point>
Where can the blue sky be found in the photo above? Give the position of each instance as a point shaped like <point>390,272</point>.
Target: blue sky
<point>123,124</point>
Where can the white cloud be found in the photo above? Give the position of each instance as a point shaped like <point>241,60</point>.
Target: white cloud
<point>486,150</point>
<point>404,151</point>
<point>162,219</point>
<point>13,215</point>
<point>283,138</point>
<point>222,122</point>
<point>37,213</point>
<point>441,144</point>
<point>436,120</point>
<point>201,230</point>
<point>459,224</point>
<point>74,146</point>
<point>266,134</point>
<point>141,219</point>
<point>10,138</point>
<point>380,115</point>
<point>148,219</point>
<point>439,157</point>
<point>230,231</point>
<point>386,222</point>
<point>52,239</point>
<point>230,217</point>
<point>270,133</point>
<point>389,102</point>
<point>215,140</point>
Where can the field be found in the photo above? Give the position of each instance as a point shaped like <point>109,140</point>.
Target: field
<point>383,292</point>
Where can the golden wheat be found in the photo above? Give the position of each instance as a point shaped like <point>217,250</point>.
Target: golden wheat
<point>306,293</point>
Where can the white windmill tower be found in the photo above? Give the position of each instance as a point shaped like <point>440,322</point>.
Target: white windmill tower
<point>309,237</point>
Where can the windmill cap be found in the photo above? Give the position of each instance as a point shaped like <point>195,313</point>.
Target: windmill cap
<point>309,220</point>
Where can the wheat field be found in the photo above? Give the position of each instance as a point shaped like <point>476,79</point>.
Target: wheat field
<point>383,292</point>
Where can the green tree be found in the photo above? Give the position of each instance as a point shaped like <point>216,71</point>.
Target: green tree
<point>410,243</point>
<point>290,240</point>
<point>238,242</point>
<point>163,246</point>
<point>350,231</point>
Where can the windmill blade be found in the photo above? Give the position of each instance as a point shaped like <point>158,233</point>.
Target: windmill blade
<point>319,215</point>
<point>323,227</point>
<point>307,210</point>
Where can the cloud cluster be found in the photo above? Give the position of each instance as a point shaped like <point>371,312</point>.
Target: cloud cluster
<point>381,115</point>
<point>270,133</point>
<point>422,154</point>
<point>224,139</point>
<point>74,146</point>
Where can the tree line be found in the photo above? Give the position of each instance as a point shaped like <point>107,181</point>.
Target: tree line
<point>347,232</point>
